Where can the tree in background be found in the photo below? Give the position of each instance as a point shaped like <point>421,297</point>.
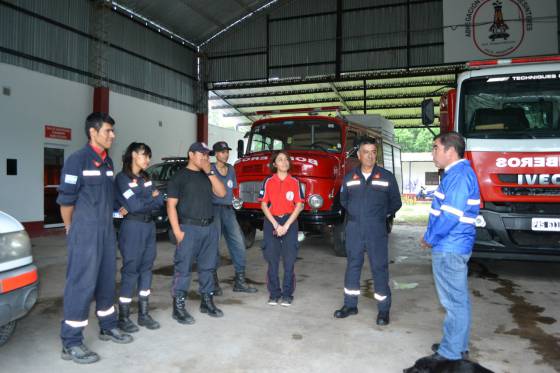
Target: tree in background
<point>415,140</point>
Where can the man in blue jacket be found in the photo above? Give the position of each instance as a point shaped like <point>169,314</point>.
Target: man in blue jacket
<point>451,234</point>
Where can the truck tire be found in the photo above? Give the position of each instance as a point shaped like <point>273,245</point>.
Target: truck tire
<point>249,233</point>
<point>6,331</point>
<point>338,240</point>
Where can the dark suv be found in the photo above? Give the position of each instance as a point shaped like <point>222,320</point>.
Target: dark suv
<point>160,174</point>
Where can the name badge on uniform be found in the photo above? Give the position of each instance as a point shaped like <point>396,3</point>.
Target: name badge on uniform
<point>109,173</point>
<point>133,185</point>
<point>70,179</point>
<point>380,183</point>
<point>148,184</point>
<point>91,173</point>
<point>128,193</point>
<point>353,182</point>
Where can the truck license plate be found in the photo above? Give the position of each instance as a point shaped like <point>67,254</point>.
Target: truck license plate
<point>545,224</point>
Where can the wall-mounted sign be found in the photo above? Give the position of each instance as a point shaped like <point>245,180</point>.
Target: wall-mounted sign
<point>59,133</point>
<point>489,29</point>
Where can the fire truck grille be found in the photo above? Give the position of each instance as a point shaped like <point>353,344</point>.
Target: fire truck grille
<point>249,191</point>
<point>530,238</point>
<point>513,191</point>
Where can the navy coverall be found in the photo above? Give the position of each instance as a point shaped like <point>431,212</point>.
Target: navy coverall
<point>137,236</point>
<point>367,204</point>
<point>87,184</point>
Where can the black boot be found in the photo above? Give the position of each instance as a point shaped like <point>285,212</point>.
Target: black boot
<point>125,324</point>
<point>179,311</point>
<point>144,318</point>
<point>241,285</point>
<point>217,289</point>
<point>207,306</point>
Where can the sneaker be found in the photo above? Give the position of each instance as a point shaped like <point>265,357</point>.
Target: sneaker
<point>273,301</point>
<point>287,301</point>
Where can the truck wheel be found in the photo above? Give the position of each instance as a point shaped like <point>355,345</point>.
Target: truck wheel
<point>249,233</point>
<point>171,236</point>
<point>6,331</point>
<point>338,240</point>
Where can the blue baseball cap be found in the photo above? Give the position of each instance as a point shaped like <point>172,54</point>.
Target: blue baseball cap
<point>201,147</point>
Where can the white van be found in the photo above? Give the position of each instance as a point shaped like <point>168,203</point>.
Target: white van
<point>19,280</point>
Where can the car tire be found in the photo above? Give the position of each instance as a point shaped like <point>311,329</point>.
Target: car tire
<point>338,240</point>
<point>6,331</point>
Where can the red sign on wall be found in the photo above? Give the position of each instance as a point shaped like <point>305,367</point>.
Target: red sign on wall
<point>59,133</point>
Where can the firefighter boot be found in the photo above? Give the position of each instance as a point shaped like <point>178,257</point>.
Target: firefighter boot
<point>144,318</point>
<point>125,324</point>
<point>207,306</point>
<point>179,311</point>
<point>217,289</point>
<point>240,284</point>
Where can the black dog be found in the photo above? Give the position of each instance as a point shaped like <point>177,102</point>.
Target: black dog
<point>428,365</point>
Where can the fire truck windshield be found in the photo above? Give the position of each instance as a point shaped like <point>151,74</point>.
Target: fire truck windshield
<point>296,135</point>
<point>518,106</point>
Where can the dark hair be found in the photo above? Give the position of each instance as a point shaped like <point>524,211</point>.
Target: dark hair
<point>137,147</point>
<point>275,155</point>
<point>96,120</point>
<point>453,140</point>
<point>366,140</point>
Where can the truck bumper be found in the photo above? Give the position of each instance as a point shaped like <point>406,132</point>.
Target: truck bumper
<point>17,303</point>
<point>307,220</point>
<point>509,236</point>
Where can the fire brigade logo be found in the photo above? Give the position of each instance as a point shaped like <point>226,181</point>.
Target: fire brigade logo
<point>498,27</point>
<point>355,177</point>
<point>377,176</point>
<point>230,184</point>
<point>290,196</point>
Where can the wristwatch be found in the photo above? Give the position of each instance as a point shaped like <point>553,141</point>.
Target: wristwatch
<point>211,173</point>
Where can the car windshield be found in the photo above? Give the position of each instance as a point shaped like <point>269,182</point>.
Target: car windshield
<point>511,106</point>
<point>296,135</point>
<point>164,171</point>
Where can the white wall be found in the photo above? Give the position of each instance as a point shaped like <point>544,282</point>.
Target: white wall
<point>228,135</point>
<point>414,175</point>
<point>37,99</point>
<point>139,120</point>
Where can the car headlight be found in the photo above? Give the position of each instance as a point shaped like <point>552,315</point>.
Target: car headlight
<point>315,201</point>
<point>237,203</point>
<point>15,245</point>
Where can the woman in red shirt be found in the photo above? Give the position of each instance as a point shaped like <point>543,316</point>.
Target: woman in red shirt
<point>281,200</point>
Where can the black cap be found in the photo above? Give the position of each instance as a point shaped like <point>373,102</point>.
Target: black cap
<point>200,147</point>
<point>220,146</point>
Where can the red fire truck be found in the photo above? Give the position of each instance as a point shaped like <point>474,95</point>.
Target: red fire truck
<point>509,113</point>
<point>322,150</point>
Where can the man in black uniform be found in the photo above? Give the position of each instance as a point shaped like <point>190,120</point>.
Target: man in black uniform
<point>369,194</point>
<point>190,211</point>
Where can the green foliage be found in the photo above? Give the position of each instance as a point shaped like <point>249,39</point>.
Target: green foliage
<point>413,140</point>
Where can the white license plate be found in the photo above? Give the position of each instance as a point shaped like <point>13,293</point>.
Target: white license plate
<point>545,224</point>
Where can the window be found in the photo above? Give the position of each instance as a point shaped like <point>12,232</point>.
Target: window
<point>351,139</point>
<point>431,178</point>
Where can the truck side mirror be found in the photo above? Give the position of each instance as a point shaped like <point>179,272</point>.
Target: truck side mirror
<point>427,111</point>
<point>240,148</point>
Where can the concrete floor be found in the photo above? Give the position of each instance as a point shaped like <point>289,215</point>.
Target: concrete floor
<point>515,311</point>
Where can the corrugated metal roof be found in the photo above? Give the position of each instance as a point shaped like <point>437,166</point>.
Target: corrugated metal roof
<point>194,20</point>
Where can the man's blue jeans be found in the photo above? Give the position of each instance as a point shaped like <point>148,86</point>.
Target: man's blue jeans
<point>226,222</point>
<point>450,276</point>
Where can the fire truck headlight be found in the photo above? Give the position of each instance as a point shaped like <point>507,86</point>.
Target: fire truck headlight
<point>479,221</point>
<point>315,201</point>
<point>237,203</point>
